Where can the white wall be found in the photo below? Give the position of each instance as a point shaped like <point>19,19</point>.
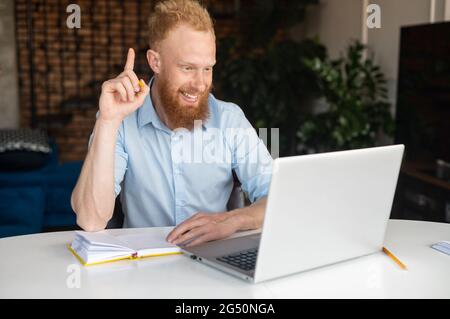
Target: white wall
<point>9,103</point>
<point>336,22</point>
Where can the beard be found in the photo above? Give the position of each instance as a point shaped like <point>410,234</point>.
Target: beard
<point>182,114</point>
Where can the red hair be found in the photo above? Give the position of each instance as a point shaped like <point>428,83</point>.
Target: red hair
<point>168,14</point>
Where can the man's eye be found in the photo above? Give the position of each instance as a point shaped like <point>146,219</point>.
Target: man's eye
<point>188,68</point>
<point>208,69</point>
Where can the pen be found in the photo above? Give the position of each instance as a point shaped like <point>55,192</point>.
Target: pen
<point>141,83</point>
<point>387,252</point>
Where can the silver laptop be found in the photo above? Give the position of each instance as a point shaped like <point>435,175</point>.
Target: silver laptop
<point>322,209</point>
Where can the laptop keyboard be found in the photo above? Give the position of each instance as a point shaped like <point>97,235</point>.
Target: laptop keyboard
<point>245,260</point>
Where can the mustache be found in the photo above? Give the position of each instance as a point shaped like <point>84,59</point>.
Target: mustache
<point>192,91</point>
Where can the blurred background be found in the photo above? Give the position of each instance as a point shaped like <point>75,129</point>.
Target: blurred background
<point>330,74</point>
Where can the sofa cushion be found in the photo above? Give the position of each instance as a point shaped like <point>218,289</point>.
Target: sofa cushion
<point>58,211</point>
<point>21,210</point>
<point>23,149</point>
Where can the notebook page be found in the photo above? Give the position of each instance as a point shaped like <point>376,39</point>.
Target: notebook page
<point>89,257</point>
<point>101,238</point>
<point>146,241</point>
<point>91,250</point>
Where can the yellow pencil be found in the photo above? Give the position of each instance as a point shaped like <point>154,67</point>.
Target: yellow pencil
<point>387,252</point>
<point>141,83</point>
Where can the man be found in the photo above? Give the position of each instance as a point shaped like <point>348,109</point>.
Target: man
<point>143,137</point>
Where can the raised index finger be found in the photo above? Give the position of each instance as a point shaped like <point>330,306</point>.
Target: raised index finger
<point>129,65</point>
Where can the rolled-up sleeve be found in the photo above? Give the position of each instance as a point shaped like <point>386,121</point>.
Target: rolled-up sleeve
<point>120,159</point>
<point>250,158</point>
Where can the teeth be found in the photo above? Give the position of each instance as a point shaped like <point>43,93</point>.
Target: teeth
<point>192,97</point>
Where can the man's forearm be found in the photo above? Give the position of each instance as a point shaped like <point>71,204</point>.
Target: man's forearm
<point>93,196</point>
<point>250,217</point>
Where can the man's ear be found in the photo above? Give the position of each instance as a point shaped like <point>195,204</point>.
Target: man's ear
<point>154,61</point>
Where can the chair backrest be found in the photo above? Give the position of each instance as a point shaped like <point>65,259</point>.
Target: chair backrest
<point>117,219</point>
<point>237,198</point>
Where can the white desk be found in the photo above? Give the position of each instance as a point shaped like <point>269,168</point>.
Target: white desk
<point>36,266</point>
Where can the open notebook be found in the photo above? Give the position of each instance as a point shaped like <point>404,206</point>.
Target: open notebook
<point>101,247</point>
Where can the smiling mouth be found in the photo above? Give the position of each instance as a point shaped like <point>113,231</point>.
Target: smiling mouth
<point>190,98</point>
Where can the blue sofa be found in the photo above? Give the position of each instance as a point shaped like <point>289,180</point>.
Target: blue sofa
<point>38,200</point>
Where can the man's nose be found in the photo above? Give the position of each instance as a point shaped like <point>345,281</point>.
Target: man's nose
<point>199,82</point>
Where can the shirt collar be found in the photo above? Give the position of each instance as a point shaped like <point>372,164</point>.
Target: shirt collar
<point>147,113</point>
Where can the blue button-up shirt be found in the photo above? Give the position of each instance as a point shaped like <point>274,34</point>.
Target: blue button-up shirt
<point>165,176</point>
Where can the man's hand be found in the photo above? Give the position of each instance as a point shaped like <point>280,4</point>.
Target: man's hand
<point>203,227</point>
<point>122,95</point>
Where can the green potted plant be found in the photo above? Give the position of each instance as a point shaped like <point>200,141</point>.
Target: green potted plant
<point>358,111</point>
